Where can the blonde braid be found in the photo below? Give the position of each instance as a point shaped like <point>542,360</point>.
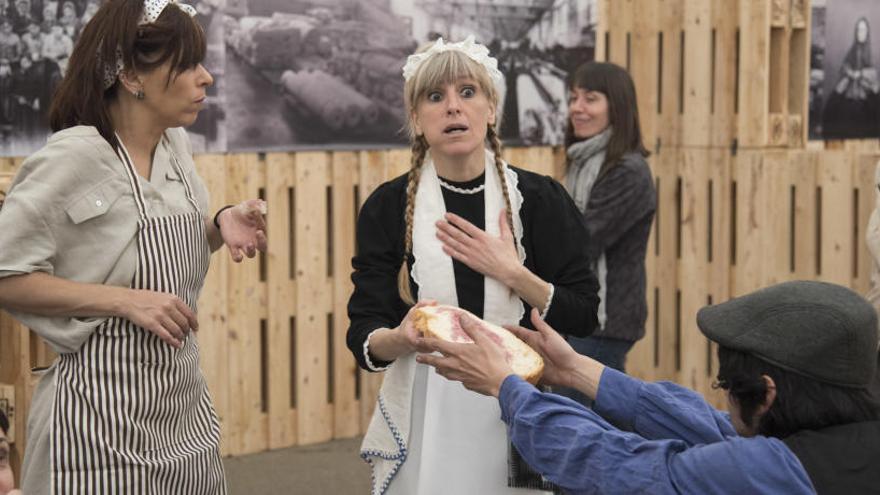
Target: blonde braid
<point>419,150</point>
<point>495,142</point>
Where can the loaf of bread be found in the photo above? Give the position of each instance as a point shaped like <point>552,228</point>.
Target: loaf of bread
<point>443,322</point>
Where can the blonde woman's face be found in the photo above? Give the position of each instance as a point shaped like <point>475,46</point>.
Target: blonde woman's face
<point>454,118</point>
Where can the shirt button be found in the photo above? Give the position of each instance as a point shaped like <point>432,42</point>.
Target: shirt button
<point>99,203</point>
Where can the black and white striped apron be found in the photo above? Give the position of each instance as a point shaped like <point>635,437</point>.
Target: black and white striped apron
<point>132,414</point>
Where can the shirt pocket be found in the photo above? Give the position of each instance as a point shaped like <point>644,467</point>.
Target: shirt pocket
<point>95,202</point>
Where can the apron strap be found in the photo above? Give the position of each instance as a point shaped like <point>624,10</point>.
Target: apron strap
<point>132,179</point>
<point>135,183</point>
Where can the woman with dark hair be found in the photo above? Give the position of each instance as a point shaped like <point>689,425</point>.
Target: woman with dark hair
<point>798,361</point>
<point>609,179</point>
<point>852,107</point>
<point>106,243</point>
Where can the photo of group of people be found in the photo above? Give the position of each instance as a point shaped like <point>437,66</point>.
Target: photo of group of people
<point>36,39</point>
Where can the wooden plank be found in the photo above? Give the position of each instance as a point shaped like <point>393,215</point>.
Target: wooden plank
<point>776,233</point>
<point>314,418</point>
<point>696,127</point>
<point>865,166</point>
<point>754,22</point>
<point>836,238</point>
<point>620,15</point>
<point>248,432</point>
<point>373,167</point>
<point>399,161</point>
<point>670,16</point>
<point>751,209</point>
<point>798,73</point>
<point>802,175</point>
<point>213,306</point>
<point>603,8</point>
<point>693,267</point>
<point>281,292</point>
<point>779,13</point>
<point>725,22</point>
<point>666,267</point>
<point>644,67</point>
<point>346,412</point>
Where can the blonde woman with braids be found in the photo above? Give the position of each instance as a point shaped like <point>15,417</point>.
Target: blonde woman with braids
<point>461,228</point>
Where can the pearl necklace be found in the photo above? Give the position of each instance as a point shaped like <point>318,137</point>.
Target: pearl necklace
<point>459,190</point>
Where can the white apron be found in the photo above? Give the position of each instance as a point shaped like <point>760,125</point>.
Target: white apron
<point>428,435</point>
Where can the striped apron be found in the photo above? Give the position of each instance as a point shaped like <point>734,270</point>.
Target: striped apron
<point>132,414</point>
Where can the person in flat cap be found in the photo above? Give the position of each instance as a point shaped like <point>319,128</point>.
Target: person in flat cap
<point>798,361</point>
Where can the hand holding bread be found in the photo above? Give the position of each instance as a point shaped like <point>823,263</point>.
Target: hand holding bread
<point>477,353</point>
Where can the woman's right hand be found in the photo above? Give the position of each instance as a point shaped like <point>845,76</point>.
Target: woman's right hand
<point>165,315</point>
<point>407,334</point>
<point>560,360</point>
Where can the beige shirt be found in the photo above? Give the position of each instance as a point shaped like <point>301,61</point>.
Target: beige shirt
<point>70,212</point>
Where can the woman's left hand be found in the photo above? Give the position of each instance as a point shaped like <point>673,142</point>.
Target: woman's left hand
<point>243,229</point>
<point>494,257</point>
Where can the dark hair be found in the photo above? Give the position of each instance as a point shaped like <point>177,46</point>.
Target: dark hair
<point>802,403</point>
<point>623,111</point>
<point>81,98</point>
<point>4,422</point>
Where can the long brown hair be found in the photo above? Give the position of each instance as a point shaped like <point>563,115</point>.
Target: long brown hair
<point>437,71</point>
<point>623,110</point>
<point>81,99</point>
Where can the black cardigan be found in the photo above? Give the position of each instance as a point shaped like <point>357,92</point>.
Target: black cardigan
<point>555,241</point>
<point>619,216</point>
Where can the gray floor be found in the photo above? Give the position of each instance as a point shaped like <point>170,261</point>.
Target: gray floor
<point>328,468</point>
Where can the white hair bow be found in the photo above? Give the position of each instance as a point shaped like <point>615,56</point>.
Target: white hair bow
<point>154,8</point>
<point>475,51</point>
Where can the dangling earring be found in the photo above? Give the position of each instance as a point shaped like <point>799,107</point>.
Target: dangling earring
<point>139,94</point>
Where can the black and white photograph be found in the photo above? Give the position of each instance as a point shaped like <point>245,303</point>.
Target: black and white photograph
<point>318,73</point>
<point>312,73</point>
<point>36,39</point>
<point>844,83</point>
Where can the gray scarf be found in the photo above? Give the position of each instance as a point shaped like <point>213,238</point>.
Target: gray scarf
<point>585,159</point>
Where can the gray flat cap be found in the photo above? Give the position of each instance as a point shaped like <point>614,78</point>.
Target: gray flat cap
<point>820,330</point>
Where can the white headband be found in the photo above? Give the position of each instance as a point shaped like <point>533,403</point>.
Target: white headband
<point>475,51</point>
<point>152,10</point>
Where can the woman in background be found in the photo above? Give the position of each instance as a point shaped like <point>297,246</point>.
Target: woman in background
<point>611,184</point>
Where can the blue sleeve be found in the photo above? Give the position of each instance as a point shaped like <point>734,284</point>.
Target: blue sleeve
<point>660,410</point>
<point>575,448</point>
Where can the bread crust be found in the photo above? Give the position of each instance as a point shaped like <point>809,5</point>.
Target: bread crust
<point>421,321</point>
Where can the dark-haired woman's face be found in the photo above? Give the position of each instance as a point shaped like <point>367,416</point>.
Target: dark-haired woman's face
<point>588,112</point>
<point>178,103</point>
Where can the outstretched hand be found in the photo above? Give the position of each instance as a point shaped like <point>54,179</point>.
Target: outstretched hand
<point>560,360</point>
<point>243,229</point>
<point>481,366</point>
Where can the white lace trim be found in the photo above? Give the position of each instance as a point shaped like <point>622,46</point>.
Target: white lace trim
<point>450,187</point>
<point>370,364</point>
<point>548,302</point>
